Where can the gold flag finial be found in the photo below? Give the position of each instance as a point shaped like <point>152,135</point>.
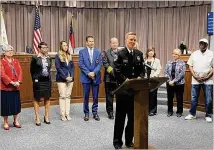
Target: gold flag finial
<point>37,3</point>
<point>72,20</point>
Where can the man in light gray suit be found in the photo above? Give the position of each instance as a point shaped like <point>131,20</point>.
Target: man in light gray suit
<point>110,82</point>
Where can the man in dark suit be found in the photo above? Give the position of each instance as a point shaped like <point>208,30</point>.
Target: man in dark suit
<point>109,78</point>
<point>128,65</point>
<point>90,63</point>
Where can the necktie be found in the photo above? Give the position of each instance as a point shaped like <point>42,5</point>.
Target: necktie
<point>131,56</point>
<point>91,55</point>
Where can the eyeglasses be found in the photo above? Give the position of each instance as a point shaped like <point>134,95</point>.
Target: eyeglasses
<point>9,51</point>
<point>44,47</point>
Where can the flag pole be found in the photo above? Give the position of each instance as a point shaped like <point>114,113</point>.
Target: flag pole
<point>1,9</point>
<point>1,5</point>
<point>72,19</point>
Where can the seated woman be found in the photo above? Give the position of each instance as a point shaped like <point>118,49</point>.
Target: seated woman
<point>11,78</point>
<point>175,71</point>
<point>40,72</point>
<point>154,63</point>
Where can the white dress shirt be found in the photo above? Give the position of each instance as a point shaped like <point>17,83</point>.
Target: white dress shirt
<point>91,52</point>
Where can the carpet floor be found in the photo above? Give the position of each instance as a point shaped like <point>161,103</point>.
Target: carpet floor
<point>164,132</point>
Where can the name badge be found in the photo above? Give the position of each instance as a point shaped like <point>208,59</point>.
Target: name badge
<point>115,57</point>
<point>125,61</point>
<point>97,61</point>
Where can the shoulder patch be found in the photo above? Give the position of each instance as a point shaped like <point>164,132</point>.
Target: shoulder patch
<point>103,54</point>
<point>138,58</point>
<point>115,57</point>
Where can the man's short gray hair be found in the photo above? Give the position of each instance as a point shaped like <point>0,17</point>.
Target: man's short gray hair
<point>129,33</point>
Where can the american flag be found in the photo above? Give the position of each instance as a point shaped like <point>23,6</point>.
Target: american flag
<point>37,33</point>
<point>71,39</point>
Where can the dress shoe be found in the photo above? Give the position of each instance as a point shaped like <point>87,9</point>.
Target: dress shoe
<point>96,117</point>
<point>169,114</point>
<point>68,117</point>
<point>86,118</point>
<point>47,122</point>
<point>128,145</point>
<point>111,116</point>
<point>179,115</point>
<point>151,114</point>
<point>17,126</point>
<point>117,146</point>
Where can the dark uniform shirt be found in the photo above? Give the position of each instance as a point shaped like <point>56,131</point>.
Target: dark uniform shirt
<point>128,65</point>
<point>108,58</point>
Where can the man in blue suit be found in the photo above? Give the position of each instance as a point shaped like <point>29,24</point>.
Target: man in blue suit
<point>90,63</point>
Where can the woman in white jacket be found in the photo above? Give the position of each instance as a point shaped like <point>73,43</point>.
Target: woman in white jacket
<point>154,63</point>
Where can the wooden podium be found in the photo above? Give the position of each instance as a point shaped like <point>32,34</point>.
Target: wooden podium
<point>141,98</point>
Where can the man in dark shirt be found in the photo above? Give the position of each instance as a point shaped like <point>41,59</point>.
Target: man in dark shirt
<point>108,57</point>
<point>128,65</point>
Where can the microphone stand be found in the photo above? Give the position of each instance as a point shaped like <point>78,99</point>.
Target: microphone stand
<point>148,72</point>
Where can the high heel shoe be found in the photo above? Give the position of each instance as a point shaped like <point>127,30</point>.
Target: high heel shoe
<point>63,118</point>
<point>47,122</point>
<point>38,123</point>
<point>68,117</point>
<point>17,126</point>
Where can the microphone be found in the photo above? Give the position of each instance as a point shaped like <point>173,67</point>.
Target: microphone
<point>149,67</point>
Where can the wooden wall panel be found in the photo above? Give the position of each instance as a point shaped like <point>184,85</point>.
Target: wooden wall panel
<point>77,93</point>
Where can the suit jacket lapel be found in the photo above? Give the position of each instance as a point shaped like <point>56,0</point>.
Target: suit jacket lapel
<point>87,55</point>
<point>39,61</point>
<point>127,52</point>
<point>133,52</point>
<point>111,52</point>
<point>49,63</point>
<point>94,57</point>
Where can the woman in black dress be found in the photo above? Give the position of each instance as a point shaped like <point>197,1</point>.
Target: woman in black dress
<point>40,72</point>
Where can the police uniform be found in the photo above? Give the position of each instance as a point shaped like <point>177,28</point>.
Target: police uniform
<point>108,57</point>
<point>129,64</point>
